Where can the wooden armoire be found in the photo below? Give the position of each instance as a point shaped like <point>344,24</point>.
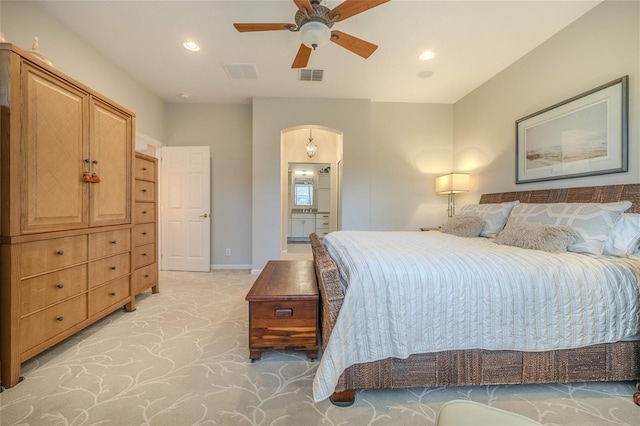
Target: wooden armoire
<point>66,215</point>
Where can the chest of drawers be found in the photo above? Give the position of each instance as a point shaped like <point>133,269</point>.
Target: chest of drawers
<point>145,230</point>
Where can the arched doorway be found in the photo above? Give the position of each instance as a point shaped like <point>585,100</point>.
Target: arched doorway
<point>322,175</point>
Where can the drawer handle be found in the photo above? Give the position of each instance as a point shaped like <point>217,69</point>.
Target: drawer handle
<point>114,242</point>
<point>60,285</point>
<point>144,254</point>
<point>60,318</point>
<point>60,252</point>
<point>113,268</point>
<point>144,233</point>
<point>113,293</point>
<point>144,212</point>
<point>144,190</point>
<point>283,312</point>
<point>144,169</point>
<point>146,275</point>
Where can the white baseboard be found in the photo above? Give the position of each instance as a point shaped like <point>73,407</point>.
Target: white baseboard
<point>217,267</point>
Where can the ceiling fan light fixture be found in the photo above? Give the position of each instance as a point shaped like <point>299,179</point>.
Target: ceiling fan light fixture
<point>315,34</point>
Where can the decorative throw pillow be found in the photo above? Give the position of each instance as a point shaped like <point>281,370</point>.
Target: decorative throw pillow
<point>624,237</point>
<point>463,226</point>
<point>494,215</point>
<point>592,221</point>
<point>536,236</point>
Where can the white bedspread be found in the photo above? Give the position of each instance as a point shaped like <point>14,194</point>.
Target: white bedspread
<point>416,292</point>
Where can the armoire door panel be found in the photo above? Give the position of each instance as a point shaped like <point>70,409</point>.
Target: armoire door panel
<point>54,147</point>
<point>111,152</point>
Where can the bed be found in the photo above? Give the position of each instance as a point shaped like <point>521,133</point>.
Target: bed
<point>494,354</point>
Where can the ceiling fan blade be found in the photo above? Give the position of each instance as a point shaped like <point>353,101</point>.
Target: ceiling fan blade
<point>348,8</point>
<point>304,4</point>
<point>302,58</point>
<point>243,28</point>
<point>354,44</point>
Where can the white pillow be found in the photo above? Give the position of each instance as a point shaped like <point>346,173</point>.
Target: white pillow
<point>494,215</point>
<point>592,221</point>
<point>624,237</point>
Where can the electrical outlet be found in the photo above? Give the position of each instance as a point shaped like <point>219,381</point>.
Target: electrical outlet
<point>227,252</point>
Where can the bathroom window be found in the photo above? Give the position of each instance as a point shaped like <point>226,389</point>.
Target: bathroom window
<point>303,193</point>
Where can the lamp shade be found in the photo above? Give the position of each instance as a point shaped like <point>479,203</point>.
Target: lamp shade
<point>452,183</point>
<point>314,34</point>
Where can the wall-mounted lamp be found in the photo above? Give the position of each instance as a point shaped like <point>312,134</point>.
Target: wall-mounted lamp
<point>451,184</point>
<point>311,147</point>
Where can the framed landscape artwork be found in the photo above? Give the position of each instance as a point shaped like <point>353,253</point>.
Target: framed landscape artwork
<point>582,136</point>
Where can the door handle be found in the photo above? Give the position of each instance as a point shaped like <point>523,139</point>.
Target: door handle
<point>204,215</point>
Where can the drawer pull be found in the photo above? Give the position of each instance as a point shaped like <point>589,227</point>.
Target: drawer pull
<point>60,252</point>
<point>113,293</point>
<point>60,318</point>
<point>144,169</point>
<point>144,190</point>
<point>113,268</point>
<point>144,212</point>
<point>283,312</point>
<point>60,285</point>
<point>144,254</point>
<point>146,275</point>
<point>114,242</point>
<point>144,233</point>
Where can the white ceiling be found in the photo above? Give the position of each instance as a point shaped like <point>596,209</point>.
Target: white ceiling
<point>473,41</point>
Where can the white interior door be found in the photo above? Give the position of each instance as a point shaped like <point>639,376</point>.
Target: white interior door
<point>185,218</point>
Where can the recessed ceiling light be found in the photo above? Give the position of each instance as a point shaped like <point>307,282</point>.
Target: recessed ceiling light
<point>191,45</point>
<point>427,54</point>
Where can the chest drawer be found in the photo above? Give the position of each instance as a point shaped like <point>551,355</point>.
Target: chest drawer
<point>145,191</point>
<point>144,233</point>
<point>42,256</point>
<point>111,294</point>
<point>109,268</point>
<point>44,290</point>
<point>145,212</point>
<point>43,325</point>
<point>108,243</point>
<point>146,276</point>
<point>283,324</point>
<point>144,169</point>
<point>144,255</point>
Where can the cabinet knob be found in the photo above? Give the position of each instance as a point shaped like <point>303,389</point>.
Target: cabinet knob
<point>60,318</point>
<point>144,233</point>
<point>146,275</point>
<point>114,242</point>
<point>144,212</point>
<point>86,160</point>
<point>60,252</point>
<point>60,285</point>
<point>113,293</point>
<point>144,169</point>
<point>144,190</point>
<point>144,254</point>
<point>113,268</point>
<point>95,161</point>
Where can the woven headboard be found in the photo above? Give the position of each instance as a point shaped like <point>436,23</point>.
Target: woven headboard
<point>589,194</point>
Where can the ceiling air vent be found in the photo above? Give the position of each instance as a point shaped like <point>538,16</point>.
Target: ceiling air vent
<point>241,71</point>
<point>310,75</point>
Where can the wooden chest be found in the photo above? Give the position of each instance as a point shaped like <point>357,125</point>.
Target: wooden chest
<point>283,308</point>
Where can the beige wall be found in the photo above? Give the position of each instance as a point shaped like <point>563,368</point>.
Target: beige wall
<point>20,21</point>
<point>601,46</point>
<point>226,129</point>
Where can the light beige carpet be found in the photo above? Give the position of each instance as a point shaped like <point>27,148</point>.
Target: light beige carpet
<point>181,359</point>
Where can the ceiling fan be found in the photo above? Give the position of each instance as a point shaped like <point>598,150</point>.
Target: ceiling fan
<point>314,22</point>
